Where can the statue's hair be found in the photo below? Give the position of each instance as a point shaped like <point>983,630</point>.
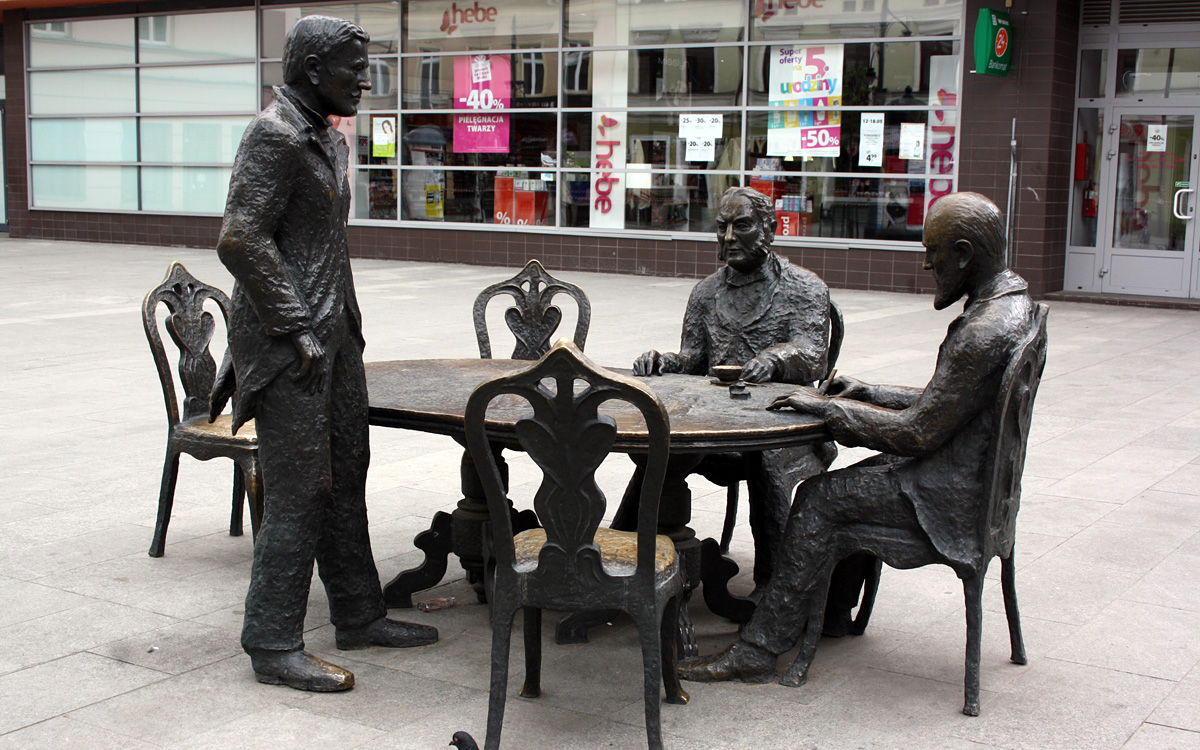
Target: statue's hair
<point>975,218</point>
<point>316,35</point>
<point>762,206</point>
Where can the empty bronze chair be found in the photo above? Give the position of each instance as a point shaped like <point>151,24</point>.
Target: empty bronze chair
<point>191,328</point>
<point>997,519</point>
<point>572,564</point>
<point>533,318</point>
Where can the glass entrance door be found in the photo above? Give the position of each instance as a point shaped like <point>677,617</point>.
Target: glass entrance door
<point>1152,238</point>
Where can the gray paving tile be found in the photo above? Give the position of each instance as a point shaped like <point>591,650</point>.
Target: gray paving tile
<point>1152,737</point>
<point>282,726</point>
<point>1063,705</point>
<point>27,601</point>
<point>63,733</point>
<point>1181,709</point>
<point>1139,638</point>
<point>47,690</point>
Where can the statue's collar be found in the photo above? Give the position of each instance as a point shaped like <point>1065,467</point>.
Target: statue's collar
<point>1005,282</point>
<point>315,120</point>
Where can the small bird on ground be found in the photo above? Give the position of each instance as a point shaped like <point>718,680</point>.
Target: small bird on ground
<point>463,741</point>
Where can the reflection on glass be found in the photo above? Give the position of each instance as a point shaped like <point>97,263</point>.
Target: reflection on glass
<point>603,23</point>
<point>873,73</point>
<point>437,26</point>
<point>1086,174</point>
<point>378,19</point>
<point>1152,165</point>
<point>82,92</point>
<point>77,139</point>
<point>758,157</point>
<point>196,37</point>
<point>66,43</point>
<point>506,197</point>
<point>192,190</point>
<point>469,139</point>
<point>786,20</point>
<point>198,88</point>
<point>850,207</point>
<point>98,188</point>
<point>375,194</point>
<point>1093,67</point>
<point>669,78</point>
<point>1163,71</point>
<point>653,139</point>
<point>522,80</point>
<point>206,140</point>
<point>653,201</point>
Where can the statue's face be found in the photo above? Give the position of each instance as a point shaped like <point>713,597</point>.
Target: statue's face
<point>948,258</point>
<point>342,77</point>
<point>742,240</point>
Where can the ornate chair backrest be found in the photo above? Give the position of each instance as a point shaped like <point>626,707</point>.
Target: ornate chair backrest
<point>1006,461</point>
<point>568,438</point>
<point>837,331</point>
<point>191,327</point>
<point>533,318</point>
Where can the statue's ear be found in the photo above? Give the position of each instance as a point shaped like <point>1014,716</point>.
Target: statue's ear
<point>964,252</point>
<point>312,69</point>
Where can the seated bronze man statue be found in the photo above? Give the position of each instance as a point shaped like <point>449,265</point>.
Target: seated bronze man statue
<point>771,318</point>
<point>932,441</point>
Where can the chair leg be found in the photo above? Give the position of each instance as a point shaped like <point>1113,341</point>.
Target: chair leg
<point>502,621</point>
<point>1009,586</point>
<point>870,589</point>
<point>731,504</point>
<point>533,653</point>
<point>797,674</point>
<point>973,593</point>
<point>649,632</point>
<point>239,497</point>
<point>254,493</point>
<point>667,640</point>
<point>166,499</point>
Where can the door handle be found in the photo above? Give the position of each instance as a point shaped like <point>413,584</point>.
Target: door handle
<point>1175,204</point>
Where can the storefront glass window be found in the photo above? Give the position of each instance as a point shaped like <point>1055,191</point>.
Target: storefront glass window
<point>1085,185</point>
<point>63,44</point>
<point>1093,68</point>
<point>196,37</point>
<point>186,190</point>
<point>609,115</point>
<point>73,187</point>
<point>108,139</point>
<point>473,25</point>
<point>1158,72</point>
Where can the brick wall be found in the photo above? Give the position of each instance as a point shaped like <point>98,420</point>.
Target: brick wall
<point>1040,94</point>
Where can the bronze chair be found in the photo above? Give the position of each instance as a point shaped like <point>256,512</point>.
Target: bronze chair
<point>573,564</point>
<point>191,328</point>
<point>735,476</point>
<point>997,519</point>
<point>533,318</point>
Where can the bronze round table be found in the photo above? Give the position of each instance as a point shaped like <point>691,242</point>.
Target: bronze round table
<point>430,395</point>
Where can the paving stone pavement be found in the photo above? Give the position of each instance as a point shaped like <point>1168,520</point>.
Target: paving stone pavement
<point>104,647</point>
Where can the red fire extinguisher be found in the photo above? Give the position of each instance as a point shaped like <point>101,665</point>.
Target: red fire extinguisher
<point>1089,201</point>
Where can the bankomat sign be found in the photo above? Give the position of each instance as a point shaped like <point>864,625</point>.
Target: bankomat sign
<point>993,48</point>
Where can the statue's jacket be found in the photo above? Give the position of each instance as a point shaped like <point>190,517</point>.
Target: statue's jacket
<point>941,441</point>
<point>284,241</point>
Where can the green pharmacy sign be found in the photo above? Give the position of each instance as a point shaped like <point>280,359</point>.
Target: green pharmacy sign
<point>993,48</point>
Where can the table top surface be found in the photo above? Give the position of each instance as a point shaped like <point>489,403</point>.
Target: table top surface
<point>430,395</point>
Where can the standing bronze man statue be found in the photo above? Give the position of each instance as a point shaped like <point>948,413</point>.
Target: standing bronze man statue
<point>928,477</point>
<point>771,318</point>
<point>295,345</point>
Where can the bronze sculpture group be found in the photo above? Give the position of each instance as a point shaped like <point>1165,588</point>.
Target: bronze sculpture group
<point>294,364</point>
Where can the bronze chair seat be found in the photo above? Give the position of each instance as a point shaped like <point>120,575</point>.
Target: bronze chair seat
<point>618,552</point>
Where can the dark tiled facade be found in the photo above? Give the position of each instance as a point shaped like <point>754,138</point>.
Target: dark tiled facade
<point>1039,94</point>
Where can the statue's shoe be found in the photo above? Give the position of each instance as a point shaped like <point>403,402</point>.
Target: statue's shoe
<point>300,670</point>
<point>741,661</point>
<point>386,634</point>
